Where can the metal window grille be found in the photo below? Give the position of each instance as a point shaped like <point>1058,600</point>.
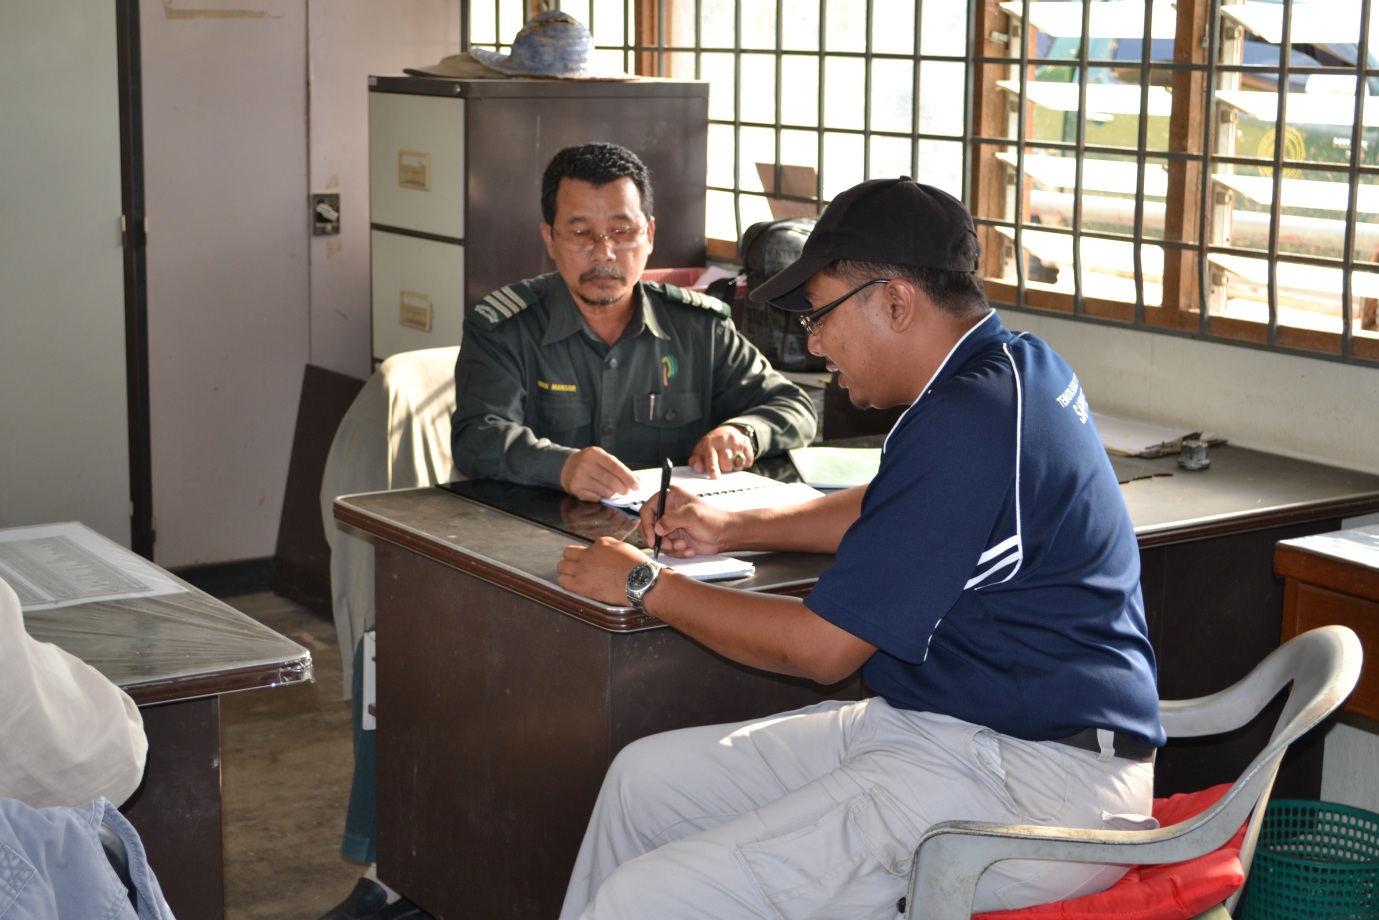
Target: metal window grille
<point>1122,158</point>
<point>807,98</point>
<point>1129,168</point>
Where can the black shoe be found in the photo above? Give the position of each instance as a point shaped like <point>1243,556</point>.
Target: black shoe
<point>368,901</point>
<point>402,909</point>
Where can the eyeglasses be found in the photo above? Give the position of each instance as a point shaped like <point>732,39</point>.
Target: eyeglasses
<point>811,322</point>
<point>586,240</point>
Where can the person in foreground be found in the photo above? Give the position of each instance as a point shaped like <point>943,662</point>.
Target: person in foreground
<point>67,734</point>
<point>72,748</point>
<point>573,379</point>
<point>986,583</point>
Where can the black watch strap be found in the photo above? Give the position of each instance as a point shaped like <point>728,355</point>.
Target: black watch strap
<point>751,434</point>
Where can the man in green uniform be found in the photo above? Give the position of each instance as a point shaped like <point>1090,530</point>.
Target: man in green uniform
<point>573,379</point>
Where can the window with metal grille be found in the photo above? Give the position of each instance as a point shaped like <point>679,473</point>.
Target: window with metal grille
<point>1122,158</point>
<point>807,97</point>
<point>1127,164</point>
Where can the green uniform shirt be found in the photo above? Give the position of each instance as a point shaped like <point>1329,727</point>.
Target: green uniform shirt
<point>534,384</point>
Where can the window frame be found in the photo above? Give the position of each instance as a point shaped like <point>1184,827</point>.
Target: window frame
<point>1186,243</point>
<point>649,55</point>
<point>1187,270</point>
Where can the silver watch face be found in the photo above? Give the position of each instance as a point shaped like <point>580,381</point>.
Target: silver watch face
<point>640,578</point>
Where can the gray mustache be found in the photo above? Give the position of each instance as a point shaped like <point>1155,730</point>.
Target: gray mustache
<point>604,271</point>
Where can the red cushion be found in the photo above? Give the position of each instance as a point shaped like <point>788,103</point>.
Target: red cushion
<point>1170,891</point>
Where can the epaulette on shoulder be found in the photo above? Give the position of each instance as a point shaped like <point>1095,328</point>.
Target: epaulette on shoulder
<point>675,294</point>
<point>505,303</point>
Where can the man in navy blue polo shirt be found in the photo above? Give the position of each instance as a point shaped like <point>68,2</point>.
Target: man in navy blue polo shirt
<point>986,584</point>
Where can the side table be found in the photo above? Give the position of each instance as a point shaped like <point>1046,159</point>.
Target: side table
<point>1334,578</point>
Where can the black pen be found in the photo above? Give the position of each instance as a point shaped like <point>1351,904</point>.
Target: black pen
<point>661,503</point>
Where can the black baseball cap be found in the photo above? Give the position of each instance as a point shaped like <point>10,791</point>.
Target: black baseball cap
<point>897,221</point>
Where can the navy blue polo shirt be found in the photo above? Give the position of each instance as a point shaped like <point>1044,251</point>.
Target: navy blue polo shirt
<point>994,565</point>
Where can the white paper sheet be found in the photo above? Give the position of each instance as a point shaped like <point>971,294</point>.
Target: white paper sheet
<point>1131,438</point>
<point>57,565</point>
<point>713,567</point>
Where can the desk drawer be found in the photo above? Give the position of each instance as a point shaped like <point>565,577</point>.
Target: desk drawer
<point>418,293</point>
<point>417,163</point>
<point>1308,606</point>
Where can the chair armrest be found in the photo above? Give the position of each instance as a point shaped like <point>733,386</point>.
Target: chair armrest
<point>951,856</point>
<point>1322,665</point>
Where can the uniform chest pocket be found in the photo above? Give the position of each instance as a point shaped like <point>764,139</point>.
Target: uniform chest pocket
<point>556,411</point>
<point>668,411</point>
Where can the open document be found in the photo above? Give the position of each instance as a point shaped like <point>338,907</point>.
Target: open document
<point>56,565</point>
<point>739,491</point>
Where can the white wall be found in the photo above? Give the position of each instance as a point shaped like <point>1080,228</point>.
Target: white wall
<point>247,111</point>
<point>64,447</point>
<point>350,39</point>
<point>1300,407</point>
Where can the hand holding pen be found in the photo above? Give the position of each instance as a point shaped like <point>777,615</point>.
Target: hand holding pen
<point>661,503</point>
<point>688,525</point>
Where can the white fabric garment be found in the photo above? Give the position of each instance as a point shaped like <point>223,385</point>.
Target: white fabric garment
<point>396,435</point>
<point>67,734</point>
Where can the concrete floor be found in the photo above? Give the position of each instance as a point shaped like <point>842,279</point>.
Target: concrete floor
<point>286,767</point>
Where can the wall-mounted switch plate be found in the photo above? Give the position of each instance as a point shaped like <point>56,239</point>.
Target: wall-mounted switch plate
<point>325,213</point>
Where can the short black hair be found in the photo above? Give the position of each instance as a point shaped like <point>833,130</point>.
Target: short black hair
<point>598,164</point>
<point>955,292</point>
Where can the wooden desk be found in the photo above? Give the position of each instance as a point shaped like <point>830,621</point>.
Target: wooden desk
<point>1213,603</point>
<point>502,698</point>
<point>1334,578</point>
<point>174,655</point>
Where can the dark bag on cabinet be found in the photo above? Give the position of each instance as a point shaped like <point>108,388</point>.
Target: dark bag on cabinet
<point>765,249</point>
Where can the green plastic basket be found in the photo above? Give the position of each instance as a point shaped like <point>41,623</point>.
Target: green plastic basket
<point>1314,860</point>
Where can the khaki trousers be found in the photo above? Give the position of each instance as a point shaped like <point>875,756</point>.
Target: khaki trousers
<point>815,815</point>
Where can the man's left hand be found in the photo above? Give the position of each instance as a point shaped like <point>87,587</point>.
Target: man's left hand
<point>722,450</point>
<point>599,570</point>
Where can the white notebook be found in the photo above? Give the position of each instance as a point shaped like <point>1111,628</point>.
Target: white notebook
<point>711,567</point>
<point>739,491</point>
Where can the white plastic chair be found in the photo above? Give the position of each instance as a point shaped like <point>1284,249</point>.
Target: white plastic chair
<point>1322,665</point>
<point>395,435</point>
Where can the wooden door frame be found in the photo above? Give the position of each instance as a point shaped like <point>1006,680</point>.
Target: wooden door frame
<point>135,241</point>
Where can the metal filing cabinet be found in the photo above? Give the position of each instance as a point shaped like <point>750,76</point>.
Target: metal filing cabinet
<point>455,185</point>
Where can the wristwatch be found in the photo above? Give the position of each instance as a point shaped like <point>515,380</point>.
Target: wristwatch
<point>751,434</point>
<point>641,580</point>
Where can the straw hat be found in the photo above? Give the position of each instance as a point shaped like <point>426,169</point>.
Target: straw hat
<point>461,66</point>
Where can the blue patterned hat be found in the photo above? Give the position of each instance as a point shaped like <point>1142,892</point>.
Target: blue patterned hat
<point>551,44</point>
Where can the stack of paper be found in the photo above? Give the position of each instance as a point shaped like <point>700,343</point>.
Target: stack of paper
<point>710,568</point>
